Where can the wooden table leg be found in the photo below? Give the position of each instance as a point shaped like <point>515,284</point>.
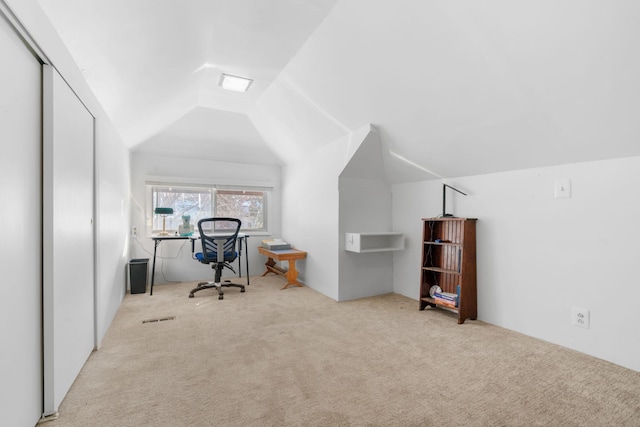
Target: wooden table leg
<point>292,275</point>
<point>270,264</point>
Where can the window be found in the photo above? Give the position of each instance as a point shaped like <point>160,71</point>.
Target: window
<point>246,204</point>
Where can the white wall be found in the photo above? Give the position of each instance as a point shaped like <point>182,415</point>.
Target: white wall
<point>310,214</point>
<point>539,256</point>
<point>173,261</point>
<point>113,206</point>
<point>365,206</point>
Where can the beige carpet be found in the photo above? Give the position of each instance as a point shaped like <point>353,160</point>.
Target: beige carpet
<point>272,357</point>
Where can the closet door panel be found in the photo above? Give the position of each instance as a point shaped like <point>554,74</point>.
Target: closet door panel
<point>68,288</point>
<point>21,223</point>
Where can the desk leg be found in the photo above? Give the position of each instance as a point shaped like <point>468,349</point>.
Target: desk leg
<point>246,256</point>
<point>153,266</point>
<point>292,275</point>
<point>239,257</point>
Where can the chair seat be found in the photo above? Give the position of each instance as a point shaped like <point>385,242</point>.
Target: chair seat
<point>228,256</point>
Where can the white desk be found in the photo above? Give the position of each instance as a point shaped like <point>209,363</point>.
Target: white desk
<point>242,237</point>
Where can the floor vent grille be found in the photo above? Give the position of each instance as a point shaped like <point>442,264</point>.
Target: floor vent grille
<point>161,319</point>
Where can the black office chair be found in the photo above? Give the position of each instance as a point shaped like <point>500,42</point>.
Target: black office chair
<point>218,237</point>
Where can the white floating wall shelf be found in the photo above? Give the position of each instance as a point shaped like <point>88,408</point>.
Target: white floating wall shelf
<point>374,242</point>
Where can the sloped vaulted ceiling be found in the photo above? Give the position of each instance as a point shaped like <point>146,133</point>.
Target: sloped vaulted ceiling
<point>453,88</point>
<point>464,88</point>
<point>155,66</point>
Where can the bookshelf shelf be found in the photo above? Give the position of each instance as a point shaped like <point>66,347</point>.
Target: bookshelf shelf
<point>443,244</point>
<point>434,302</point>
<point>442,270</point>
<point>449,261</point>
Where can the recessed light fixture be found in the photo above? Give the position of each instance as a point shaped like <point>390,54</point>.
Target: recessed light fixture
<point>235,83</point>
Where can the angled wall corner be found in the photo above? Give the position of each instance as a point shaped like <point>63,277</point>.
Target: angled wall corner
<point>365,186</point>
<point>369,156</point>
<point>291,123</point>
<point>400,170</point>
<point>364,206</point>
<point>364,155</point>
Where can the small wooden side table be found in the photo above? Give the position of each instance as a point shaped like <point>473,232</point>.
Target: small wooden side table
<point>290,255</point>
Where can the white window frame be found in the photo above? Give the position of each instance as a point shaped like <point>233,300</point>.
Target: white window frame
<point>213,189</point>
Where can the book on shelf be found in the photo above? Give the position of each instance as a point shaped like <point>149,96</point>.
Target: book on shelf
<point>447,296</point>
<point>275,244</point>
<point>445,302</point>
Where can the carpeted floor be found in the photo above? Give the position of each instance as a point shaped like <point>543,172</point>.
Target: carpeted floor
<point>272,357</point>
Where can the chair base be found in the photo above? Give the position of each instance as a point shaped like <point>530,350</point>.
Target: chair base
<point>214,285</point>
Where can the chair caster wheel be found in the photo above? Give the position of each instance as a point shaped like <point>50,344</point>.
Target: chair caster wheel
<point>242,290</point>
<point>220,297</point>
<point>190,295</point>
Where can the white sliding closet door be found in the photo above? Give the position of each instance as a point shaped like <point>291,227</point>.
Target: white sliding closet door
<point>20,218</point>
<point>68,284</point>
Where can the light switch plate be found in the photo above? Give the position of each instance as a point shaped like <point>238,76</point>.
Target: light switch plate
<point>563,188</point>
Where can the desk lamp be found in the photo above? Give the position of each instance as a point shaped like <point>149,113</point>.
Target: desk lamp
<point>444,199</point>
<point>163,212</point>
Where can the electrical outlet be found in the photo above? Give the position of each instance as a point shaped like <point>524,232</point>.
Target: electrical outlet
<point>134,231</point>
<point>580,317</point>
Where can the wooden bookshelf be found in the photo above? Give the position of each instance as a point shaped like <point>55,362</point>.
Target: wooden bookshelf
<point>449,261</point>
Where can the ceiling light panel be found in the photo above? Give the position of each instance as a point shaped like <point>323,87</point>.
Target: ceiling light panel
<point>235,83</point>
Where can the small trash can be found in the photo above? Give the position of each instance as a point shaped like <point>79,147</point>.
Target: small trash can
<point>138,269</point>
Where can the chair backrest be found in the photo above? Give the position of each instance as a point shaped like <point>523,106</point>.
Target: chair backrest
<point>219,232</point>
